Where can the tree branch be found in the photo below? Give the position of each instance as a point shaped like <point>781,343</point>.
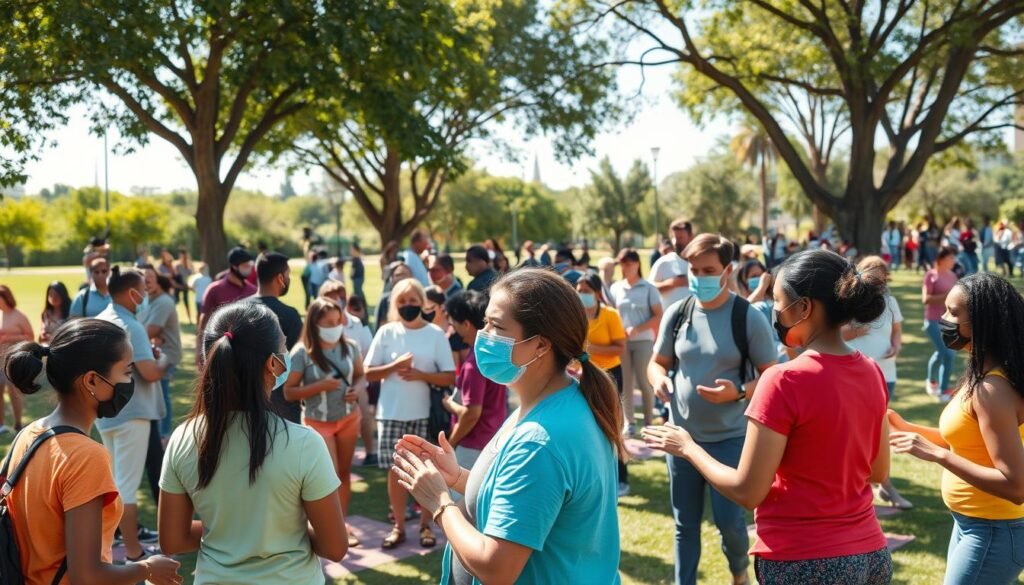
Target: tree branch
<point>150,121</point>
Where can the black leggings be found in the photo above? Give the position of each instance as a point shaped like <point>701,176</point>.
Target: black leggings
<point>616,374</point>
<point>154,459</point>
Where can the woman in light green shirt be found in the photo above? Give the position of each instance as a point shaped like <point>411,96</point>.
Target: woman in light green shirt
<point>264,489</point>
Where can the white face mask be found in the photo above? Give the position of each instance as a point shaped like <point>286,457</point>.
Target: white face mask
<point>331,334</point>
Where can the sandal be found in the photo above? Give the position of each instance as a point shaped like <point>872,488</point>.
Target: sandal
<point>352,540</point>
<point>393,539</point>
<point>427,539</point>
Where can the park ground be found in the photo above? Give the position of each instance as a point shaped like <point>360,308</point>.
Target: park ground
<point>646,524</point>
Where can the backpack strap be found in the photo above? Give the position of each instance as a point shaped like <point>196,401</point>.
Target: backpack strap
<point>85,303</point>
<point>685,315</point>
<point>12,479</point>
<point>739,334</point>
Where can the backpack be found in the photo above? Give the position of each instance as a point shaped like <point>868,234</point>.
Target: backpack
<point>739,334</point>
<point>10,559</point>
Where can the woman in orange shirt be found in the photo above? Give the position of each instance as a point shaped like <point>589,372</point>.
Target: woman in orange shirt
<point>606,342</point>
<point>980,438</point>
<point>67,493</point>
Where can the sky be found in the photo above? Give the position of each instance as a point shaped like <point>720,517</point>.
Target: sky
<point>77,158</point>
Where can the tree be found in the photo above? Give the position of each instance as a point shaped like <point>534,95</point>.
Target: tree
<point>21,226</point>
<point>715,192</point>
<point>925,75</point>
<point>477,206</point>
<point>216,79</point>
<point>137,221</point>
<point>753,148</point>
<point>487,63</point>
<point>612,204</point>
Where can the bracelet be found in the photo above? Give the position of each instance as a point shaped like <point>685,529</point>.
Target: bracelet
<point>437,514</point>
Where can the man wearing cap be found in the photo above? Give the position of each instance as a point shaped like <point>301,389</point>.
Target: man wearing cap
<point>232,287</point>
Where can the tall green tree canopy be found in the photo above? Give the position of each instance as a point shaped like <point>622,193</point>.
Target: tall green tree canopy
<point>612,203</point>
<point>922,76</point>
<point>217,79</point>
<point>716,192</point>
<point>488,62</point>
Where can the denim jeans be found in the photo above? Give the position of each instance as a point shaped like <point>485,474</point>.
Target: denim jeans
<point>687,493</point>
<point>165,385</point>
<point>984,552</point>
<point>943,356</point>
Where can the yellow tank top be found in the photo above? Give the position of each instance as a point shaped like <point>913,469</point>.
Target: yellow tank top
<point>959,428</point>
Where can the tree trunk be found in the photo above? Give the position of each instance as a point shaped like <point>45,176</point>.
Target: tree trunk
<point>210,225</point>
<point>764,196</point>
<point>9,250</point>
<point>820,171</point>
<point>618,241</point>
<point>860,219</point>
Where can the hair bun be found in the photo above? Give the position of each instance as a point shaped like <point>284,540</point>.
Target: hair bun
<point>862,293</point>
<point>23,364</point>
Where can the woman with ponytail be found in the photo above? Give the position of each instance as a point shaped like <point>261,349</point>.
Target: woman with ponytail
<point>264,489</point>
<point>65,506</point>
<point>540,502</point>
<point>808,480</point>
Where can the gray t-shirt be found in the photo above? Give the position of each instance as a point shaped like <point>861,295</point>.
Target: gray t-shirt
<point>707,351</point>
<point>326,406</point>
<point>147,403</point>
<point>163,312</point>
<point>477,475</point>
<point>634,303</point>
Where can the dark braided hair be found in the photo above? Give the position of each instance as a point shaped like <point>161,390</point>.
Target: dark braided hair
<point>996,313</point>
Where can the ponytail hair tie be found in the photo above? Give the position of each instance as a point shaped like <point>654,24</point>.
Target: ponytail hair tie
<point>229,335</point>
<point>583,358</point>
<point>44,351</point>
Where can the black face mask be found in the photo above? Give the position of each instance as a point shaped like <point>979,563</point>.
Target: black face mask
<point>409,313</point>
<point>951,335</point>
<point>287,284</point>
<point>123,392</point>
<point>781,329</point>
<point>429,317</point>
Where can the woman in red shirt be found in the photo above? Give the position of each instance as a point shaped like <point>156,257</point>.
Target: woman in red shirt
<point>811,484</point>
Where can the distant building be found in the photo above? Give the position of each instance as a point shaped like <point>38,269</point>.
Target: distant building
<point>536,170</point>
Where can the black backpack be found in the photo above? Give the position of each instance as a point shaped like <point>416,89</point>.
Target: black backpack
<point>739,334</point>
<point>10,559</point>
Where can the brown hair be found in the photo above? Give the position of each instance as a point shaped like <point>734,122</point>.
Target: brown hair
<point>545,304</point>
<point>706,243</point>
<point>331,287</point>
<point>311,332</point>
<point>7,296</point>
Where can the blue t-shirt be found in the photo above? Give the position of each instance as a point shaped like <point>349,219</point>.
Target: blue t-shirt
<point>97,303</point>
<point>553,488</point>
<point>147,403</point>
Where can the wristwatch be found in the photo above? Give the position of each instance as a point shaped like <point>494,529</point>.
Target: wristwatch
<point>743,393</point>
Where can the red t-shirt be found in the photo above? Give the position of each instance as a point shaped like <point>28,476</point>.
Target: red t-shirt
<point>830,408</point>
<point>476,390</point>
<point>225,291</point>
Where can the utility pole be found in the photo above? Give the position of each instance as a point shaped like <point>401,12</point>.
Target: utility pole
<point>657,211</point>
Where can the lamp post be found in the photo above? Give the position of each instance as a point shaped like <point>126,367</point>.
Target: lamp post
<point>657,211</point>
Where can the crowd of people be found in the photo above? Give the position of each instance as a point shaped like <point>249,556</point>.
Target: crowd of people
<point>503,407</point>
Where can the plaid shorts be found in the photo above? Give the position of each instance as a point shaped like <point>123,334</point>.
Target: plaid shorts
<point>389,432</point>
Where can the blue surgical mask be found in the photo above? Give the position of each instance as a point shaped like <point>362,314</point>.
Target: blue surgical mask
<point>143,306</point>
<point>283,376</point>
<point>706,288</point>
<point>753,283</point>
<point>494,358</point>
<point>589,300</point>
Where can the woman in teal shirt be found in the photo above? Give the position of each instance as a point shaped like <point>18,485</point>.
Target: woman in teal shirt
<point>264,489</point>
<point>540,503</point>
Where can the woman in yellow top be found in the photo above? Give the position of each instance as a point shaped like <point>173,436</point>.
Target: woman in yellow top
<point>980,439</point>
<point>606,342</point>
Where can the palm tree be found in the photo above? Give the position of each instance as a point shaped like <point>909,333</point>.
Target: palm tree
<point>753,148</point>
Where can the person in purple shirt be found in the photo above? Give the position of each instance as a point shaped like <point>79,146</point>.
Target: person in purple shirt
<point>232,287</point>
<point>482,405</point>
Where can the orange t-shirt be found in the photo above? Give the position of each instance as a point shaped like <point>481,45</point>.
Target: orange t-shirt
<point>604,329</point>
<point>66,472</point>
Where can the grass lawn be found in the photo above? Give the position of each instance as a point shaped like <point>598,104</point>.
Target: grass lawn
<point>646,523</point>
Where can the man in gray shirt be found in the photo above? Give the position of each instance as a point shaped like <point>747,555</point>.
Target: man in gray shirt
<point>161,321</point>
<point>708,397</point>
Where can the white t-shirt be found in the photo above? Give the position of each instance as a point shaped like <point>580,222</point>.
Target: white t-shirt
<point>878,339</point>
<point>399,399</point>
<point>357,332</point>
<point>669,266</point>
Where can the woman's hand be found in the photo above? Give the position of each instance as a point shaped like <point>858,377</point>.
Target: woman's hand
<point>351,396</point>
<point>896,422</point>
<point>916,445</point>
<point>422,479</point>
<point>162,570</point>
<point>442,456</point>
<point>668,438</point>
